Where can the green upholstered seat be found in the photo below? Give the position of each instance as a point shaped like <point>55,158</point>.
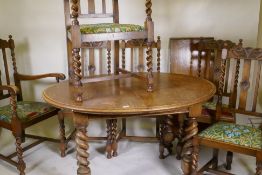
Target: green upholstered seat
<point>109,28</point>
<point>26,111</point>
<point>209,109</point>
<point>231,133</point>
<point>211,105</point>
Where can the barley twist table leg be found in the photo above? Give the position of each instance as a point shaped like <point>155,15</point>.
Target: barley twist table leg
<point>191,147</point>
<point>81,123</point>
<point>109,138</point>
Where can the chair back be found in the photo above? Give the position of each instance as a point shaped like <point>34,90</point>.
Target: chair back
<point>245,79</point>
<point>135,51</point>
<point>7,72</point>
<point>87,9</point>
<point>180,54</point>
<point>207,54</point>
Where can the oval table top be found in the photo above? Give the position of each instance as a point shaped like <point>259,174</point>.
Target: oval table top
<point>129,95</point>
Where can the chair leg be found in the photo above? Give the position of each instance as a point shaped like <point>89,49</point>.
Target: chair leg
<point>229,160</point>
<point>179,146</point>
<point>109,138</point>
<point>111,146</point>
<point>259,164</point>
<point>161,140</point>
<point>63,145</point>
<point>149,59</point>
<point>259,168</point>
<point>114,134</point>
<point>214,162</point>
<point>21,164</point>
<point>167,136</point>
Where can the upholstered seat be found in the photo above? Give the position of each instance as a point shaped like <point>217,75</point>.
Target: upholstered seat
<point>241,135</point>
<point>109,28</point>
<point>26,111</point>
<point>209,110</point>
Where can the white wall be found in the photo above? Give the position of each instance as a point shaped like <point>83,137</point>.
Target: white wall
<point>38,27</point>
<point>39,33</point>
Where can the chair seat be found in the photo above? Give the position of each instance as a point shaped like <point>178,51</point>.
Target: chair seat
<point>209,110</point>
<point>109,28</point>
<point>240,135</point>
<point>26,111</point>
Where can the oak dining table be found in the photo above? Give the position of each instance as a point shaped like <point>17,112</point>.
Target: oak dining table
<point>127,97</point>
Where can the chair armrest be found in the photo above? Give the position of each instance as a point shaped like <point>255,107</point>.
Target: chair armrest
<point>13,90</point>
<point>58,76</point>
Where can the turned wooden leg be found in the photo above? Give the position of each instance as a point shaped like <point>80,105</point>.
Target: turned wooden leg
<point>167,136</point>
<point>191,147</point>
<point>109,138</point>
<point>77,74</point>
<point>114,135</point>
<point>214,162</point>
<point>21,164</point>
<point>180,137</point>
<point>111,147</point>
<point>149,59</point>
<point>259,164</point>
<point>229,160</point>
<point>161,140</point>
<point>63,145</point>
<point>81,123</point>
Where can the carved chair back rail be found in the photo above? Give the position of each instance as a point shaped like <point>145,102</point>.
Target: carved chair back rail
<point>91,12</point>
<point>244,93</point>
<point>245,80</point>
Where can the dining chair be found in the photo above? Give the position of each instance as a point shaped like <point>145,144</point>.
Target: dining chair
<point>202,60</point>
<point>93,65</point>
<point>181,62</point>
<point>80,32</point>
<point>19,114</point>
<point>207,53</point>
<point>243,88</point>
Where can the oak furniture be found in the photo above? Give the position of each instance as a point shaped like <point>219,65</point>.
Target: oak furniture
<point>202,57</point>
<point>122,98</point>
<point>182,60</point>
<point>245,81</point>
<point>80,33</point>
<point>90,53</point>
<point>208,56</point>
<point>20,114</point>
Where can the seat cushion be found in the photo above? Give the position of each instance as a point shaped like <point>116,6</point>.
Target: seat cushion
<point>26,111</point>
<point>241,135</point>
<point>211,105</point>
<point>109,28</point>
<point>209,110</point>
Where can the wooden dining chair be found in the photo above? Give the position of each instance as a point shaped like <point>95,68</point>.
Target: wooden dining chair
<point>93,65</point>
<point>202,60</point>
<point>79,33</point>
<point>20,114</point>
<point>207,54</point>
<point>180,55</point>
<point>243,88</point>
<point>181,62</point>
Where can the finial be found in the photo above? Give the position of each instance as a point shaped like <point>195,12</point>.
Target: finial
<point>240,42</point>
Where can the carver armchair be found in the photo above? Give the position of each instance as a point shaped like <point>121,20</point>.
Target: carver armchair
<point>20,114</point>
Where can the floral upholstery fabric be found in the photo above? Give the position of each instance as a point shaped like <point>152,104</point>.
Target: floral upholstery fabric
<point>26,111</point>
<point>209,109</point>
<point>109,28</point>
<point>211,105</point>
<point>241,135</point>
